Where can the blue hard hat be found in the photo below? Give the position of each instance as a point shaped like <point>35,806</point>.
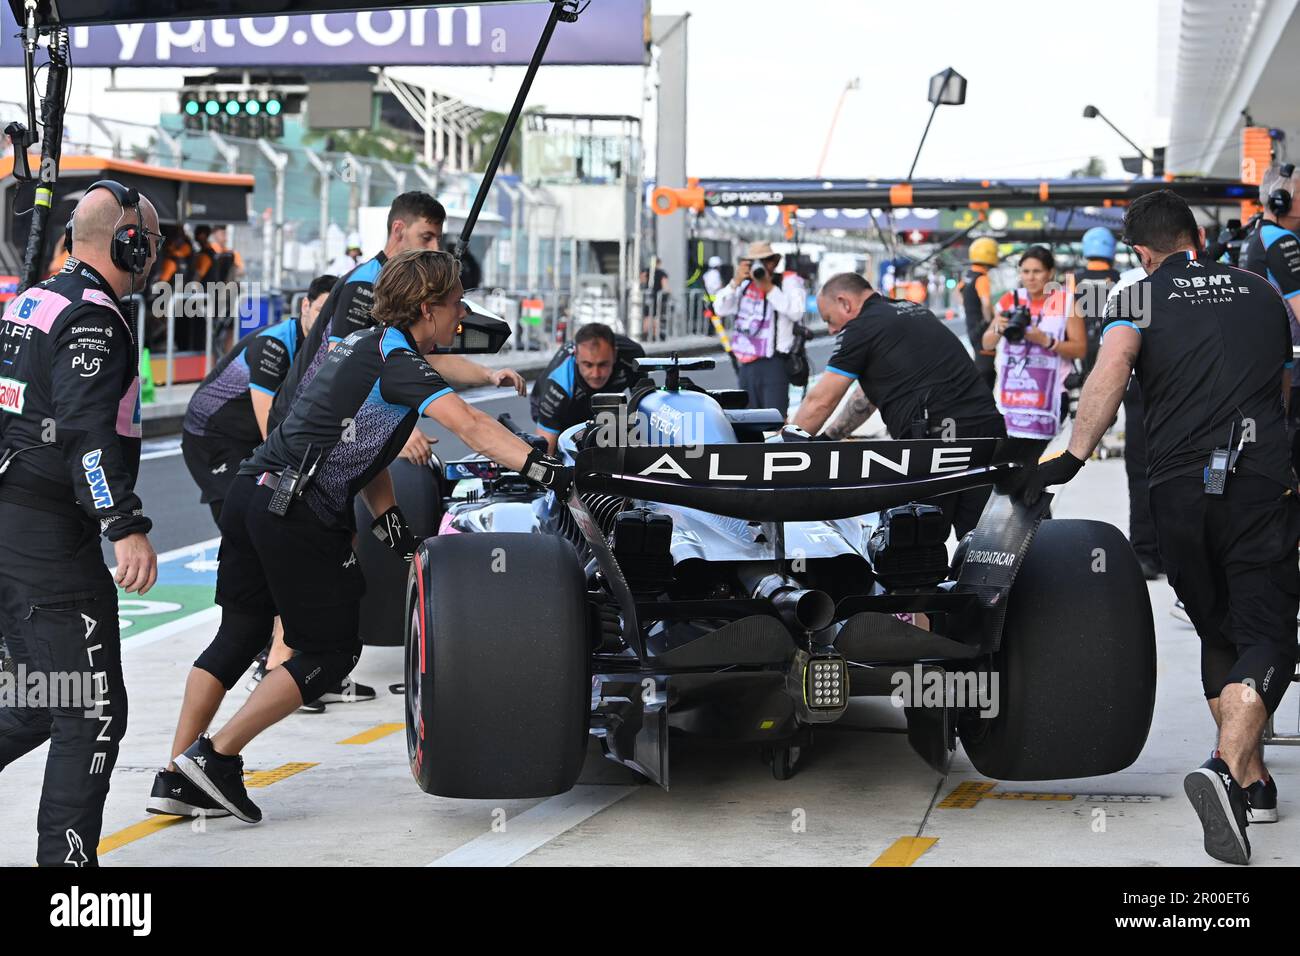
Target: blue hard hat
<point>1099,243</point>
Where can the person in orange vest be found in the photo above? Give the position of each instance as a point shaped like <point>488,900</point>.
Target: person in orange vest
<point>977,300</point>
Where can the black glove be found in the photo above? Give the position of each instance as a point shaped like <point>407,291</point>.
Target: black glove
<point>1056,470</point>
<point>548,472</point>
<point>391,528</point>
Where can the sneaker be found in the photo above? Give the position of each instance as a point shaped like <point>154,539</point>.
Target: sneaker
<point>347,691</point>
<point>1262,797</point>
<point>259,672</point>
<point>1222,806</point>
<point>221,777</point>
<point>173,793</point>
<point>313,707</point>
<point>1180,612</point>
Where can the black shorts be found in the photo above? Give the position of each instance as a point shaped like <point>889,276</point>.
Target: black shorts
<point>1232,561</point>
<point>213,463</point>
<point>294,566</point>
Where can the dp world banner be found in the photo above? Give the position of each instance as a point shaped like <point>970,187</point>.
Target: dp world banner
<point>609,32</point>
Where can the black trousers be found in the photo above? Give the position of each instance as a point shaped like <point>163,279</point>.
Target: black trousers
<point>962,509</point>
<point>294,567</point>
<point>213,463</point>
<point>1141,526</point>
<point>58,613</point>
<point>1232,561</point>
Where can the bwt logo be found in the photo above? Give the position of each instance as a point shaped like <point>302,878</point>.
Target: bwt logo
<point>76,909</point>
<point>380,28</point>
<point>1201,282</point>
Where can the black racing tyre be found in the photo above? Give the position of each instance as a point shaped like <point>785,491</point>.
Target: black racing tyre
<point>1077,664</point>
<point>418,494</point>
<point>498,666</point>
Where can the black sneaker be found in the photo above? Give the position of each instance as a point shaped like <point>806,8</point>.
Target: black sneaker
<point>312,707</point>
<point>1222,806</point>
<point>173,793</point>
<point>1262,797</point>
<point>347,691</point>
<point>220,777</point>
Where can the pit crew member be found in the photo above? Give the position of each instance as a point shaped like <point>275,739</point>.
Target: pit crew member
<point>1211,347</point>
<point>70,453</point>
<point>290,553</point>
<point>910,367</point>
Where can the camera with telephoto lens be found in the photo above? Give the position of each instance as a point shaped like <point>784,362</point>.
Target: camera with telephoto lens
<point>757,272</point>
<point>1018,321</point>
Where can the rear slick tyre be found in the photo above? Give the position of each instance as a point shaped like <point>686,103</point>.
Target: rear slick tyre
<point>498,666</point>
<point>1077,665</point>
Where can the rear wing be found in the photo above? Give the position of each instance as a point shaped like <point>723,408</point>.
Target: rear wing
<point>804,481</point>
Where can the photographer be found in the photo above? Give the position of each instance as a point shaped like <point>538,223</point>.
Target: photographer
<point>762,328</point>
<point>287,525</point>
<point>1037,337</point>
<point>1211,348</point>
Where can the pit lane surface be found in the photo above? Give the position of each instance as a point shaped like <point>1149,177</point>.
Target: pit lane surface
<point>335,787</point>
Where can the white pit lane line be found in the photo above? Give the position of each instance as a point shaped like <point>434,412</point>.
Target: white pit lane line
<point>537,827</point>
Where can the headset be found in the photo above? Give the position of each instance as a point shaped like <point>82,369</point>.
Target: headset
<point>1279,200</point>
<point>129,248</point>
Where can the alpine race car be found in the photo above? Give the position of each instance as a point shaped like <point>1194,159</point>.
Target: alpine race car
<point>700,580</point>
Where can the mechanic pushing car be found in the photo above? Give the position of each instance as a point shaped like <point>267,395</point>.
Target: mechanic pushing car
<point>1212,351</point>
<point>69,457</point>
<point>415,221</point>
<point>910,367</point>
<point>288,523</point>
<point>593,363</point>
<point>226,416</point>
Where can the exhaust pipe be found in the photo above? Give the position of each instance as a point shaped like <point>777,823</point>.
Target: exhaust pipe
<point>802,609</point>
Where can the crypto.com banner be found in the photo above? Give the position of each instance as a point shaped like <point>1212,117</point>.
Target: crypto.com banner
<point>609,32</point>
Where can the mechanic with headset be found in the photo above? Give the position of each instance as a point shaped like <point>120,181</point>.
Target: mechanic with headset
<point>288,523</point>
<point>1274,253</point>
<point>69,457</point>
<point>977,300</point>
<point>1211,347</point>
<point>596,361</point>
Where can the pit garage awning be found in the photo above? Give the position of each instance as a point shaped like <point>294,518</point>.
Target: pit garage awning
<point>179,195</point>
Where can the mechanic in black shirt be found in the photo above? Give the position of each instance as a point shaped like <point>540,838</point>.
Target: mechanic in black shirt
<point>70,447</point>
<point>348,428</point>
<point>910,367</point>
<point>592,364</point>
<point>1211,348</point>
<point>415,221</point>
<point>226,416</point>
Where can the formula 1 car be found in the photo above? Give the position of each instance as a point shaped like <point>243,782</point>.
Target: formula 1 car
<point>700,580</point>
